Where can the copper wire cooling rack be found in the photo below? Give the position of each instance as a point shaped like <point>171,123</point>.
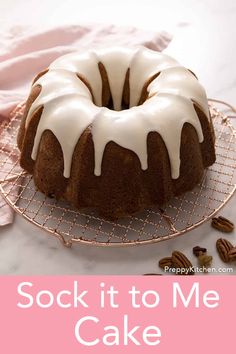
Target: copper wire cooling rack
<point>152,225</point>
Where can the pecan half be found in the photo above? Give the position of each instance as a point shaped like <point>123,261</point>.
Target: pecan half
<point>222,224</point>
<point>197,251</point>
<point>165,262</point>
<point>180,261</point>
<point>223,247</point>
<point>232,254</point>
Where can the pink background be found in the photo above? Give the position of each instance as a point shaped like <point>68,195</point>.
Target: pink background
<point>190,330</point>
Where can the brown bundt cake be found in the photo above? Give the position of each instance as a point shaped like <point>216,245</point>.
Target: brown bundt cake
<point>117,130</point>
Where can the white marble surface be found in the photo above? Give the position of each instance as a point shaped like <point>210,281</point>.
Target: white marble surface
<point>204,40</point>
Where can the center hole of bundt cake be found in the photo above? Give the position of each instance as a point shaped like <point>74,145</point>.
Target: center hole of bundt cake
<point>107,100</point>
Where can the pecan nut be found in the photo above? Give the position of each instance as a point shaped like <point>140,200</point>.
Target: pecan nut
<point>181,262</point>
<point>198,251</point>
<point>232,254</point>
<point>222,224</point>
<point>165,262</point>
<point>223,247</point>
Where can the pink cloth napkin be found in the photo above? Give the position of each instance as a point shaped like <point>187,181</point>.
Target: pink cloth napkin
<point>25,51</point>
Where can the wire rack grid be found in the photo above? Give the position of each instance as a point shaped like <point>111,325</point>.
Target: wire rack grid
<point>70,226</point>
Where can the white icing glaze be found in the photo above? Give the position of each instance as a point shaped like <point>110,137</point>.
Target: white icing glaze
<point>68,107</point>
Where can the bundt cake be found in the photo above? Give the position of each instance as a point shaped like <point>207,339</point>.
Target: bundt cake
<point>117,130</point>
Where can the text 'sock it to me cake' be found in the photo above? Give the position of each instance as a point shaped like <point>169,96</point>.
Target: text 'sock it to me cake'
<point>117,130</point>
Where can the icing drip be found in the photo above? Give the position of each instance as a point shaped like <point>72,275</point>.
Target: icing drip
<point>68,108</point>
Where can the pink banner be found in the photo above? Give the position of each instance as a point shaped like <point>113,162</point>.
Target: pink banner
<point>101,314</point>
